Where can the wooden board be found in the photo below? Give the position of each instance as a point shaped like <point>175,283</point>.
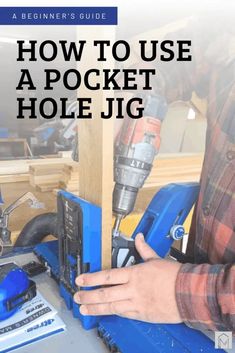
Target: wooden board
<point>9,178</point>
<point>22,166</point>
<point>96,143</point>
<point>166,169</point>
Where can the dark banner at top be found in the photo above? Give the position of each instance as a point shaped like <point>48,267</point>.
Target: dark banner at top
<point>58,16</point>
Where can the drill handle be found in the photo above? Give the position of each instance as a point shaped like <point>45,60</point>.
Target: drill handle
<point>124,253</point>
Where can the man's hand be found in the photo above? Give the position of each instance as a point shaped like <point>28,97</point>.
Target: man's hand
<point>143,292</point>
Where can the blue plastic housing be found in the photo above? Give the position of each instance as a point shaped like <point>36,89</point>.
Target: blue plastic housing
<point>91,252</point>
<point>139,337</point>
<point>170,206</point>
<point>13,283</point>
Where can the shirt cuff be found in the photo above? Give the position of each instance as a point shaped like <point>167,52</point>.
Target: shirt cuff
<point>196,295</point>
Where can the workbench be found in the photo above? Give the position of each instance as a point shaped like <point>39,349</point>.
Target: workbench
<point>75,339</point>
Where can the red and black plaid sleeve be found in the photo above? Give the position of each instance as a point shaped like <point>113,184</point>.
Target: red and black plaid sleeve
<point>205,291</point>
<point>206,297</point>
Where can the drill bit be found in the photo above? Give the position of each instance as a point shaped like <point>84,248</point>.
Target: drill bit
<point>117,225</point>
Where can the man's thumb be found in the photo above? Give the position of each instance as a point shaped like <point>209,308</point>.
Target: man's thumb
<point>145,251</point>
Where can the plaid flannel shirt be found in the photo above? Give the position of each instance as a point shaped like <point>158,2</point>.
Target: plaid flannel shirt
<point>205,290</point>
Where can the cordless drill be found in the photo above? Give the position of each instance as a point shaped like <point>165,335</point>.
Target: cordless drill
<point>135,149</point>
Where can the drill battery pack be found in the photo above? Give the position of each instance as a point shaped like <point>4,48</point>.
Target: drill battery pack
<point>15,289</point>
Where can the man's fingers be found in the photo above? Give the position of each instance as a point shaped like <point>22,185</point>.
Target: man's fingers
<point>107,277</point>
<point>145,251</point>
<point>114,308</point>
<point>102,295</point>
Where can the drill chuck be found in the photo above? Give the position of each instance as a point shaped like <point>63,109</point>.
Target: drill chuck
<point>124,199</point>
<point>130,173</point>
